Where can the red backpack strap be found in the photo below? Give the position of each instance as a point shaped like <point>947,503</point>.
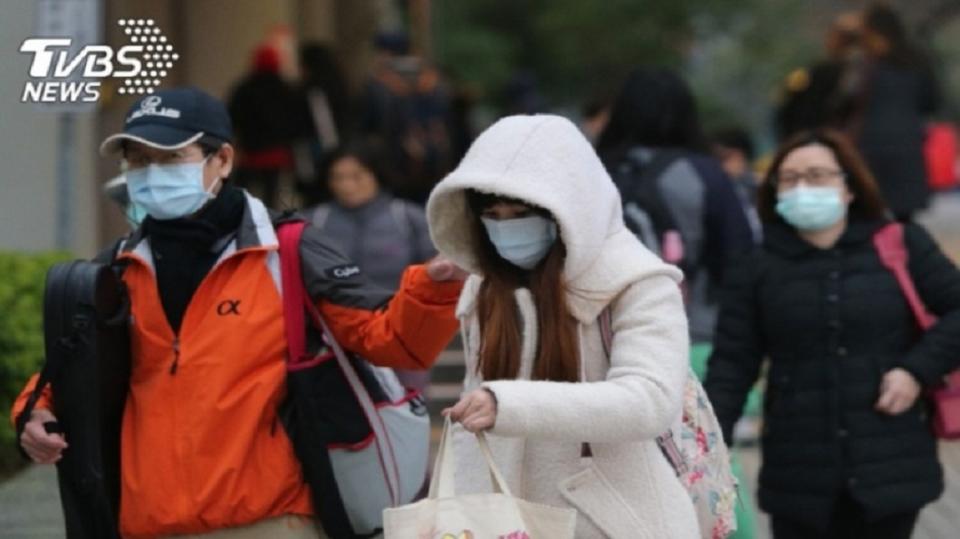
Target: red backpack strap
<point>893,254</point>
<point>294,292</point>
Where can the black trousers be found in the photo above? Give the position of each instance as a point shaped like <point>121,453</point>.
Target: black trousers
<point>848,522</point>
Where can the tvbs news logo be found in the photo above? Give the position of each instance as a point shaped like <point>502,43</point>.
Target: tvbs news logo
<point>60,75</point>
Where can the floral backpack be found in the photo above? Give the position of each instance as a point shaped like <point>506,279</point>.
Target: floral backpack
<point>697,452</point>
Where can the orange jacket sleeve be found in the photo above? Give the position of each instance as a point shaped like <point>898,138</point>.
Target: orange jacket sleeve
<point>44,402</point>
<point>409,333</point>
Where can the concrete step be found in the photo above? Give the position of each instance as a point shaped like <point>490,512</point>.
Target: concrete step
<point>450,357</point>
<point>448,369</point>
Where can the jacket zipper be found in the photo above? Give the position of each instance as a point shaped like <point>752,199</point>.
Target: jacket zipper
<point>176,356</point>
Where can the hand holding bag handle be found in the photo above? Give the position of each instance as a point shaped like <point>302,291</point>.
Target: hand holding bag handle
<point>475,514</point>
<point>443,483</point>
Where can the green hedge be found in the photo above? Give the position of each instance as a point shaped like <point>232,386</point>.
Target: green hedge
<point>21,336</point>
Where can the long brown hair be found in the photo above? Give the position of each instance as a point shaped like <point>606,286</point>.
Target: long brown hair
<point>867,202</point>
<point>500,337</point>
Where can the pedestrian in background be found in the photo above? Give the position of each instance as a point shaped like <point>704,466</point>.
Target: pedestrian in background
<point>381,233</point>
<point>823,94</point>
<point>897,97</point>
<point>654,149</point>
<point>679,201</point>
<point>325,106</point>
<point>268,119</point>
<point>848,449</point>
<point>405,114</point>
<point>734,150</point>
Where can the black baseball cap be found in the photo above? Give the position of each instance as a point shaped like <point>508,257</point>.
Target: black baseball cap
<point>172,119</point>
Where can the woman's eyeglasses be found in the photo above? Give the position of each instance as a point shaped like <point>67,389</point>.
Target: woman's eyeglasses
<point>814,177</point>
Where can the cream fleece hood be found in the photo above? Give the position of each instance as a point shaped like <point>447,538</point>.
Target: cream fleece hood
<point>546,161</point>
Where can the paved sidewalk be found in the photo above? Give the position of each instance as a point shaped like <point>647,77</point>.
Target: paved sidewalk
<point>30,505</point>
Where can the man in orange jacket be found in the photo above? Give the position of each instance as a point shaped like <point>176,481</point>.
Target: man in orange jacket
<point>200,451</point>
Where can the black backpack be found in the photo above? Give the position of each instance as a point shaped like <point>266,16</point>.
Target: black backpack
<point>645,211</point>
<point>85,323</point>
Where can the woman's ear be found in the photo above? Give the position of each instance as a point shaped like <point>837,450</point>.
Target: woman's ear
<point>848,196</point>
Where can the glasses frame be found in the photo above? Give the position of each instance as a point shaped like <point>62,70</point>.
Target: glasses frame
<point>813,177</point>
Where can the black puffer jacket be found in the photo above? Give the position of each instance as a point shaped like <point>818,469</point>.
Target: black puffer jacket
<point>832,322</point>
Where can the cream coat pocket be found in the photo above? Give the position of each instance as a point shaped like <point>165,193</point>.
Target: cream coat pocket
<point>592,494</point>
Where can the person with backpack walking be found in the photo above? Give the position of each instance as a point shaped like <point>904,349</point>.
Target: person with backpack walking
<point>676,196</point>
<point>848,449</point>
<point>531,213</point>
<point>381,233</point>
<point>678,201</point>
<point>204,449</point>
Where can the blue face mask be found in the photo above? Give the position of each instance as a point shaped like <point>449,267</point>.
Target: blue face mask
<point>168,191</point>
<point>135,215</point>
<point>523,242</point>
<point>811,208</point>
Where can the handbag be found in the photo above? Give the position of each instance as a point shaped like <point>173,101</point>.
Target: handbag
<point>499,515</point>
<point>361,438</point>
<point>944,399</point>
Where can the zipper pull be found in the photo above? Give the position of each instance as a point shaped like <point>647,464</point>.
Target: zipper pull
<point>176,356</point>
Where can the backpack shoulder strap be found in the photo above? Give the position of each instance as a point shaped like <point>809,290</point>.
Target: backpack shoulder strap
<point>650,169</point>
<point>646,211</point>
<point>890,247</point>
<point>294,291</point>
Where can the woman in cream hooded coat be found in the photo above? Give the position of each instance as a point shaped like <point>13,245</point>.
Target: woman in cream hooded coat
<point>539,426</point>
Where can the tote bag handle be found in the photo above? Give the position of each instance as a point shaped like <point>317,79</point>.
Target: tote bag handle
<point>443,483</point>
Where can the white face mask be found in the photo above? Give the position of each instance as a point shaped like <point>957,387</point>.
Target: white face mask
<point>169,191</point>
<point>523,242</point>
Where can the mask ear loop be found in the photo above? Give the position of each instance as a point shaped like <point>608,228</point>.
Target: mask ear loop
<point>217,182</point>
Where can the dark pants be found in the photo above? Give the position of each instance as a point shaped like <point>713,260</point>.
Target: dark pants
<point>848,522</point>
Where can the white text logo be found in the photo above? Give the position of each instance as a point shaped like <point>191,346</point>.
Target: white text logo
<point>63,75</point>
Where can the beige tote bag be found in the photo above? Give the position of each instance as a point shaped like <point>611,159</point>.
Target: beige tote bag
<point>445,515</point>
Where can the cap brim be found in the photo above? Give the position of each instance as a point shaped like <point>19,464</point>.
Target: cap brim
<point>161,137</point>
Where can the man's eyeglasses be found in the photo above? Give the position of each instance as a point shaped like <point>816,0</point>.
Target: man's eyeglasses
<point>134,160</point>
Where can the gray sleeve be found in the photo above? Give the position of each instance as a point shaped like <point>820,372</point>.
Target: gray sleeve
<point>331,275</point>
<point>420,230</point>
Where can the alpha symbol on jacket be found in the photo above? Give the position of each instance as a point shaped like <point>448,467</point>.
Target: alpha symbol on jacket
<point>228,307</point>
